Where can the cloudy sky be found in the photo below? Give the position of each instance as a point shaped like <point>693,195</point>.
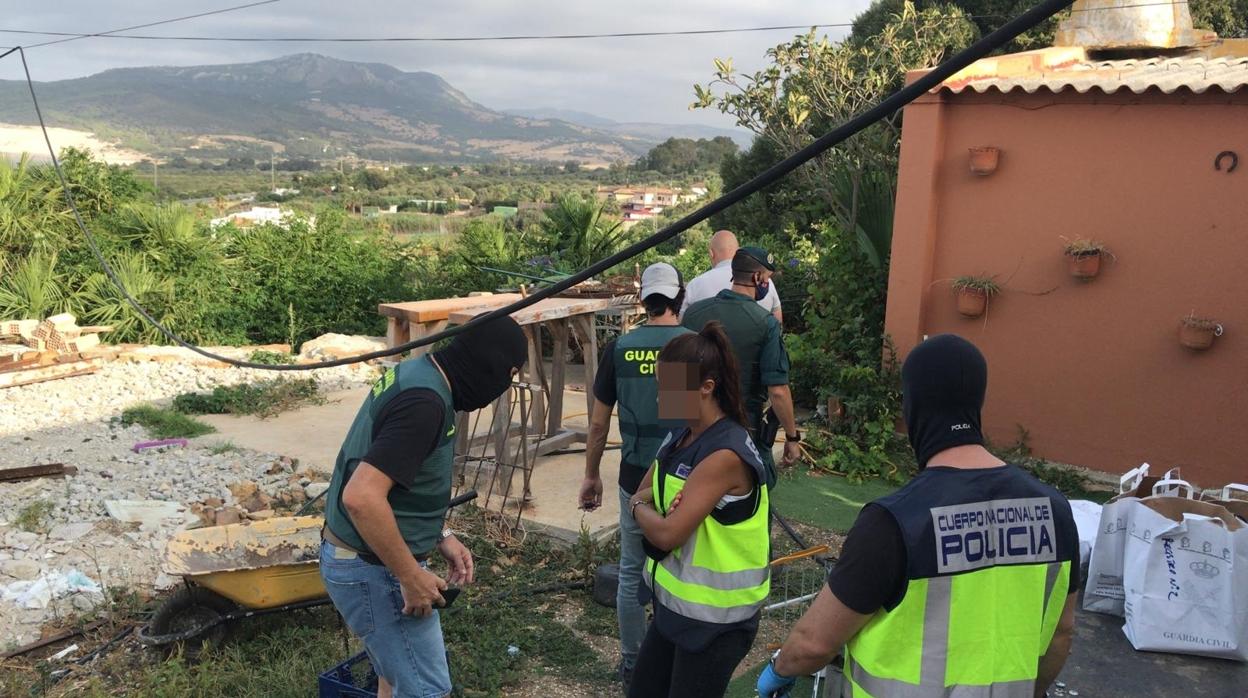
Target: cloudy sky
<point>634,79</point>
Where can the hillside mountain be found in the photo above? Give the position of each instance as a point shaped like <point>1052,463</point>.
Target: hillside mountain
<point>305,105</point>
<point>653,132</point>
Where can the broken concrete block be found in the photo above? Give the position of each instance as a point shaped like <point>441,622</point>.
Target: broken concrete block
<point>20,328</point>
<point>314,489</point>
<point>19,569</point>
<point>261,515</point>
<point>63,321</point>
<point>83,343</point>
<point>228,515</point>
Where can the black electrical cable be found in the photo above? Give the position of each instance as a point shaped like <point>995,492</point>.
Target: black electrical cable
<point>504,37</point>
<point>75,37</point>
<point>429,39</point>
<point>933,78</point>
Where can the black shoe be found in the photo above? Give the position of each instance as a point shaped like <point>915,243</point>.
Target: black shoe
<point>623,674</point>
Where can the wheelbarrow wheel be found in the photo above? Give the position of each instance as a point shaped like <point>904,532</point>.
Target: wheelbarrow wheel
<point>192,607</point>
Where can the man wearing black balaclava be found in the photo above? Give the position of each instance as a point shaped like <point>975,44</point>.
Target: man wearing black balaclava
<point>388,496</point>
<point>964,580</point>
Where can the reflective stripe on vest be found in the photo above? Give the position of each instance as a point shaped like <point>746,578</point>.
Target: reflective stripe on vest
<point>973,634</point>
<point>721,574</point>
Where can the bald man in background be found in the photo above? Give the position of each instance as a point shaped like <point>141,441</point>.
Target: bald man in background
<point>719,278</point>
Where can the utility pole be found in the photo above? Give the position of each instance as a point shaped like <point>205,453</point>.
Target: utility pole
<point>155,176</point>
<point>272,174</point>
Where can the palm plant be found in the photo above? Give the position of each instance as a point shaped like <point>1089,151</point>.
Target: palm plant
<point>580,232</point>
<point>31,288</point>
<point>101,303</point>
<point>32,211</point>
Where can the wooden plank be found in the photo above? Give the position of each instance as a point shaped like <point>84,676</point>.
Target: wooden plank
<point>589,348</point>
<point>441,308</point>
<point>534,373</point>
<point>10,379</point>
<point>424,330</point>
<point>396,331</point>
<point>30,472</point>
<point>542,311</point>
<point>558,362</point>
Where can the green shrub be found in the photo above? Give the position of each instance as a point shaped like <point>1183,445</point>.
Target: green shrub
<point>263,399</point>
<point>165,423</point>
<point>271,358</point>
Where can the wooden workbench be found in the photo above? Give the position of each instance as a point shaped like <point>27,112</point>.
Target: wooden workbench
<point>559,316</point>
<point>415,319</point>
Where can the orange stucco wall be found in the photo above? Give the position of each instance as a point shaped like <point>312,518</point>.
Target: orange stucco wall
<point>1093,371</point>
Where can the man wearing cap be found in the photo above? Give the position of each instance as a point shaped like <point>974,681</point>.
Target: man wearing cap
<point>626,376</point>
<point>723,248</point>
<point>388,496</point>
<point>759,346</point>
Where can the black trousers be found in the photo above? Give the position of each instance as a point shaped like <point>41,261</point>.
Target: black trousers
<point>664,669</point>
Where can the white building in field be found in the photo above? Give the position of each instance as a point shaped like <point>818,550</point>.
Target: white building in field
<point>254,216</point>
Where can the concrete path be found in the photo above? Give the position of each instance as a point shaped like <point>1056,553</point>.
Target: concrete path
<point>313,435</point>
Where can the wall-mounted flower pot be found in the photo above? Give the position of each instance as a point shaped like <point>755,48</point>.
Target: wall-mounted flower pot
<point>972,302</point>
<point>984,160</point>
<point>1197,333</point>
<point>1084,266</point>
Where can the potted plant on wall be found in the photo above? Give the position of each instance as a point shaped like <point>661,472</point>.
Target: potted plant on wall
<point>1083,257</point>
<point>1198,332</point>
<point>973,292</point>
<point>984,159</point>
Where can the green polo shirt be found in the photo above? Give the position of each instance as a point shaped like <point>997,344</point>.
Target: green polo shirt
<point>756,339</point>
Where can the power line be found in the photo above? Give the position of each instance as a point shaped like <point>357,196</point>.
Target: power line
<point>891,104</point>
<point>413,39</point>
<point>502,37</point>
<point>110,33</point>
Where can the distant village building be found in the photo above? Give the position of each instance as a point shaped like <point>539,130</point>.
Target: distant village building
<point>644,203</point>
<point>256,215</point>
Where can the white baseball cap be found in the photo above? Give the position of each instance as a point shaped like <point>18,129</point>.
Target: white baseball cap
<point>661,278</point>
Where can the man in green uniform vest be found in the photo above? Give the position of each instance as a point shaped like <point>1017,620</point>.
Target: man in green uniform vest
<point>759,346</point>
<point>963,582</point>
<point>626,376</point>
<point>389,493</point>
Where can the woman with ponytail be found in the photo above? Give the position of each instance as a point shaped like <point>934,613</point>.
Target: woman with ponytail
<point>703,510</point>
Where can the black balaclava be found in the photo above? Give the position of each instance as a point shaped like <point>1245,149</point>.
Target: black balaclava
<point>478,362</point>
<point>942,387</point>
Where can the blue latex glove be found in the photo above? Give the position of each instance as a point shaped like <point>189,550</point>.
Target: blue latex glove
<point>772,685</point>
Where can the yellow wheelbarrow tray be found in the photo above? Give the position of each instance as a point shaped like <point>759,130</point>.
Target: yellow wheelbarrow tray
<point>238,571</point>
<point>263,564</point>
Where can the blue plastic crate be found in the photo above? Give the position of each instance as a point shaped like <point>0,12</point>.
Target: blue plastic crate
<point>341,682</point>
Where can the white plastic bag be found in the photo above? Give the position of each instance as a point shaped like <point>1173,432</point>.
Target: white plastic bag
<point>1103,591</point>
<point>1186,578</point>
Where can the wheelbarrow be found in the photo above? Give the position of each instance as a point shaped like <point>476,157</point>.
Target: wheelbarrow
<point>240,571</point>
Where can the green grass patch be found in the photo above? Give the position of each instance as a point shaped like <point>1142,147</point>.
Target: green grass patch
<point>743,685</point>
<point>33,516</point>
<point>824,501</point>
<point>263,399</point>
<point>281,655</point>
<point>164,423</point>
<point>223,448</point>
<point>271,358</point>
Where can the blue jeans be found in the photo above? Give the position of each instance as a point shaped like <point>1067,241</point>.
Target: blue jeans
<point>406,651</point>
<point>631,615</point>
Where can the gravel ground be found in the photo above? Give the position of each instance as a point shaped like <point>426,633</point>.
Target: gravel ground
<point>73,421</point>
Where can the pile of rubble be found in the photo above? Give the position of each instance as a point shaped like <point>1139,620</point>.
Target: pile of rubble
<point>55,348</point>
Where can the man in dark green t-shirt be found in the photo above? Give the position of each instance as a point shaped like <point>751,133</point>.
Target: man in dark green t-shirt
<point>626,377</point>
<point>389,493</point>
<point>759,347</point>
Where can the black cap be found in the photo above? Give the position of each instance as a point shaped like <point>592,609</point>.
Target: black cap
<point>758,254</point>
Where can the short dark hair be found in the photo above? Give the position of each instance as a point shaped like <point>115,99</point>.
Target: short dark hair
<point>744,267</point>
<point>656,303</point>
